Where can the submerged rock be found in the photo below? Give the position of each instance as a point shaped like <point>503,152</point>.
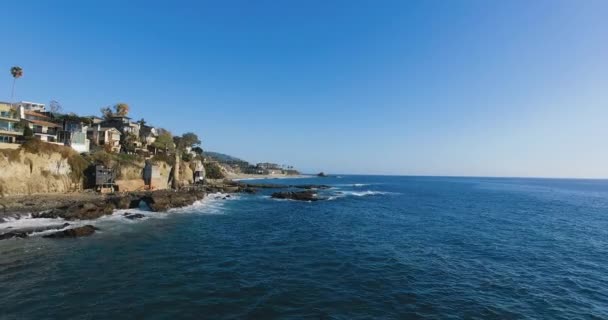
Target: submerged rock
<point>299,195</point>
<point>311,186</point>
<point>74,232</point>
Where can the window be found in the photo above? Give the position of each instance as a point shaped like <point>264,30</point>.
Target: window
<point>6,139</point>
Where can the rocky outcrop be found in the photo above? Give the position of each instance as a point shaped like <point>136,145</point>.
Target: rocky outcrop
<point>90,209</point>
<point>311,186</point>
<point>25,232</point>
<point>165,200</point>
<point>74,232</point>
<point>134,216</point>
<point>244,185</point>
<point>298,195</point>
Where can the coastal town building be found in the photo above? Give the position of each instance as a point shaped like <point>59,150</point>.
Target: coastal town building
<point>268,165</point>
<point>274,171</point>
<point>74,135</point>
<point>122,124</point>
<point>10,129</point>
<point>41,124</point>
<point>31,106</point>
<point>105,136</point>
<point>147,134</point>
<point>95,120</point>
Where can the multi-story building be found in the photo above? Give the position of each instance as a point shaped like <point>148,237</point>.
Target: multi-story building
<point>41,124</point>
<point>105,136</point>
<point>148,134</point>
<point>10,129</point>
<point>74,135</point>
<point>31,106</point>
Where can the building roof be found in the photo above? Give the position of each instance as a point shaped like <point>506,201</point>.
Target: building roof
<point>30,102</point>
<point>45,123</point>
<point>37,114</point>
<point>109,129</point>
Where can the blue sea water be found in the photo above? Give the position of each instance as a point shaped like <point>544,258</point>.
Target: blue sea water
<point>380,248</point>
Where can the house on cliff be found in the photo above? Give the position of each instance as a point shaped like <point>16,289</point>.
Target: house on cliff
<point>108,137</point>
<point>42,124</point>
<point>10,130</point>
<point>31,106</point>
<point>74,134</point>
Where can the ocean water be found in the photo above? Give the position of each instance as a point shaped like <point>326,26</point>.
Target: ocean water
<point>380,248</point>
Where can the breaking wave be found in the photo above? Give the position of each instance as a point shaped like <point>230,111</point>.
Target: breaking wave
<point>211,204</point>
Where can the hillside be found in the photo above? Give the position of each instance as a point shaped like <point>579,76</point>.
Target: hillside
<point>221,157</point>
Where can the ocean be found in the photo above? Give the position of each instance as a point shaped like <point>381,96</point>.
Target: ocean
<point>381,247</point>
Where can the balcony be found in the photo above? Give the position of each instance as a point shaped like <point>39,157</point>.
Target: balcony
<point>8,116</point>
<point>51,132</point>
<point>11,130</point>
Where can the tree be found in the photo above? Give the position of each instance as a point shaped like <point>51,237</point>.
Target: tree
<point>142,122</point>
<point>106,112</point>
<point>16,72</point>
<point>190,139</point>
<point>198,150</point>
<point>122,109</point>
<point>164,141</point>
<point>130,142</point>
<point>187,140</point>
<point>55,106</point>
<point>28,133</point>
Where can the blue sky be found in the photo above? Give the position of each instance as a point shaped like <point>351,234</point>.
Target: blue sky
<point>490,88</point>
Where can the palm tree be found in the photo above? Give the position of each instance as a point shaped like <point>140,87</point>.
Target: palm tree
<point>16,72</point>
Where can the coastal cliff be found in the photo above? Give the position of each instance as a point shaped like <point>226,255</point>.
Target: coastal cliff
<point>48,169</point>
<point>41,168</point>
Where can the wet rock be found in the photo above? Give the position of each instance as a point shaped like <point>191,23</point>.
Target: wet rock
<point>164,200</point>
<point>13,234</point>
<point>311,186</point>
<point>133,216</point>
<point>249,190</point>
<point>74,232</point>
<point>125,202</point>
<point>299,195</point>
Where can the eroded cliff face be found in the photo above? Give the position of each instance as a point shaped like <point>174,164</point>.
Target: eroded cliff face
<point>28,173</point>
<point>58,169</point>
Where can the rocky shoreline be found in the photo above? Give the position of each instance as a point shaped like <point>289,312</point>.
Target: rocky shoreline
<point>90,206</point>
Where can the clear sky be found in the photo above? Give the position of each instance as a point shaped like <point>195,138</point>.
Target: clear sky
<point>491,88</point>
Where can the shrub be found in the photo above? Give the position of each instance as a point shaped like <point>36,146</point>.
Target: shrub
<point>214,171</point>
<point>162,157</point>
<point>187,157</point>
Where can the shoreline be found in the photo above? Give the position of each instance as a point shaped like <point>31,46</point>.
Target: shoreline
<point>89,206</point>
<point>244,176</point>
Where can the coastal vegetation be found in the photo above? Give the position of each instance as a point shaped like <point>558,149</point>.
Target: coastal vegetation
<point>214,171</point>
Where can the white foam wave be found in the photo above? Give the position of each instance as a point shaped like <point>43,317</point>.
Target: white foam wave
<point>344,193</point>
<point>353,185</point>
<point>24,222</point>
<point>212,204</point>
